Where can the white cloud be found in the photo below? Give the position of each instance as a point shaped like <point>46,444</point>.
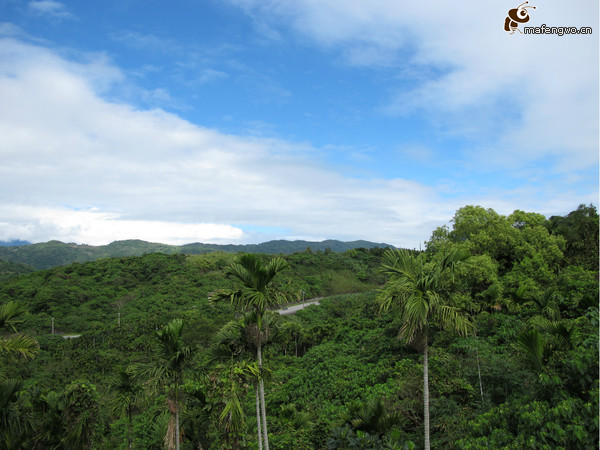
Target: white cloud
<point>10,29</point>
<point>127,171</point>
<point>95,227</point>
<point>524,97</point>
<point>148,42</point>
<point>51,8</point>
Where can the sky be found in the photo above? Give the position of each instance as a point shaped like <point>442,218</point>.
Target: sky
<point>243,121</point>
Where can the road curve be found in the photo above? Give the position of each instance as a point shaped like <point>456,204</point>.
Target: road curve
<point>294,308</point>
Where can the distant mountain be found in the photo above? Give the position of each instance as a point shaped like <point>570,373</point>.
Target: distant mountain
<point>55,253</point>
<point>13,243</point>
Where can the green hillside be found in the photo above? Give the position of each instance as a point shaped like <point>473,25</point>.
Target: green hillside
<point>54,253</point>
<point>336,374</point>
<point>10,270</point>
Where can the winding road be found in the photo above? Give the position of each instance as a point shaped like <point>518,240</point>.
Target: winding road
<point>294,308</point>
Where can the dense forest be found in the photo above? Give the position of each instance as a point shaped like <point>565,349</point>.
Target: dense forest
<point>486,339</point>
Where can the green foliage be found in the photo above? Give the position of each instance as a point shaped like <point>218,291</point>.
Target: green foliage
<point>81,411</point>
<point>580,231</point>
<point>337,374</point>
<point>12,343</point>
<point>10,270</point>
<point>569,423</point>
<point>419,289</point>
<point>13,423</point>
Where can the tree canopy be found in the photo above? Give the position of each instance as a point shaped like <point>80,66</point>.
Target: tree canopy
<point>506,307</point>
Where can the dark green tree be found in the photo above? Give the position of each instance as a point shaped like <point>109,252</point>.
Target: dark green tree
<point>127,394</point>
<point>50,423</point>
<point>418,289</point>
<point>257,293</point>
<point>14,425</point>
<point>174,355</point>
<point>81,413</point>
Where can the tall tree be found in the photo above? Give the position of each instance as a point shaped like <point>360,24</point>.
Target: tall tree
<point>81,414</point>
<point>257,293</point>
<point>50,427</point>
<point>420,290</point>
<point>174,355</point>
<point>13,424</point>
<point>231,387</point>
<point>237,342</point>
<point>126,397</point>
<point>580,230</point>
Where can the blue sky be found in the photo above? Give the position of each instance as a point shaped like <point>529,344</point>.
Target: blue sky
<point>241,121</point>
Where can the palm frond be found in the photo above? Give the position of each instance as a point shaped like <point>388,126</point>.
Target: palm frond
<point>19,344</point>
<point>234,296</point>
<point>126,392</point>
<point>452,318</point>
<point>531,343</point>
<point>9,314</point>
<point>12,423</point>
<point>257,291</point>
<point>275,266</point>
<point>228,342</point>
<point>415,313</point>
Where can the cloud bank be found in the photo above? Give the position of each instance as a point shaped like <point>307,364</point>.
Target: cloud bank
<point>85,169</point>
<point>520,98</point>
<point>80,163</point>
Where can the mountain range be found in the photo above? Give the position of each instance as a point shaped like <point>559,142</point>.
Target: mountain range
<point>55,253</point>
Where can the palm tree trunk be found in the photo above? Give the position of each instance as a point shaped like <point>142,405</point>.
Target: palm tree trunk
<point>262,396</point>
<point>264,413</point>
<point>478,368</point>
<point>176,424</point>
<point>426,394</point>
<point>258,417</point>
<point>176,414</point>
<point>130,428</point>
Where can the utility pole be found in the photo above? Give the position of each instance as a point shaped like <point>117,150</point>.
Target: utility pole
<point>119,319</point>
<point>53,325</point>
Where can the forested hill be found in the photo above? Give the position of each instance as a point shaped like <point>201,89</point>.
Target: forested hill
<point>55,253</point>
<point>121,352</point>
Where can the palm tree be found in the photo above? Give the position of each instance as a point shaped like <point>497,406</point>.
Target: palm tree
<point>127,394</point>
<point>15,343</point>
<point>81,413</point>
<point>237,341</point>
<point>420,290</point>
<point>234,378</point>
<point>50,424</point>
<point>533,345</point>
<point>174,356</point>
<point>371,417</point>
<point>13,424</point>
<point>256,294</point>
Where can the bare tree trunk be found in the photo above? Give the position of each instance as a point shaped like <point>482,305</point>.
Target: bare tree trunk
<point>426,394</point>
<point>260,446</point>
